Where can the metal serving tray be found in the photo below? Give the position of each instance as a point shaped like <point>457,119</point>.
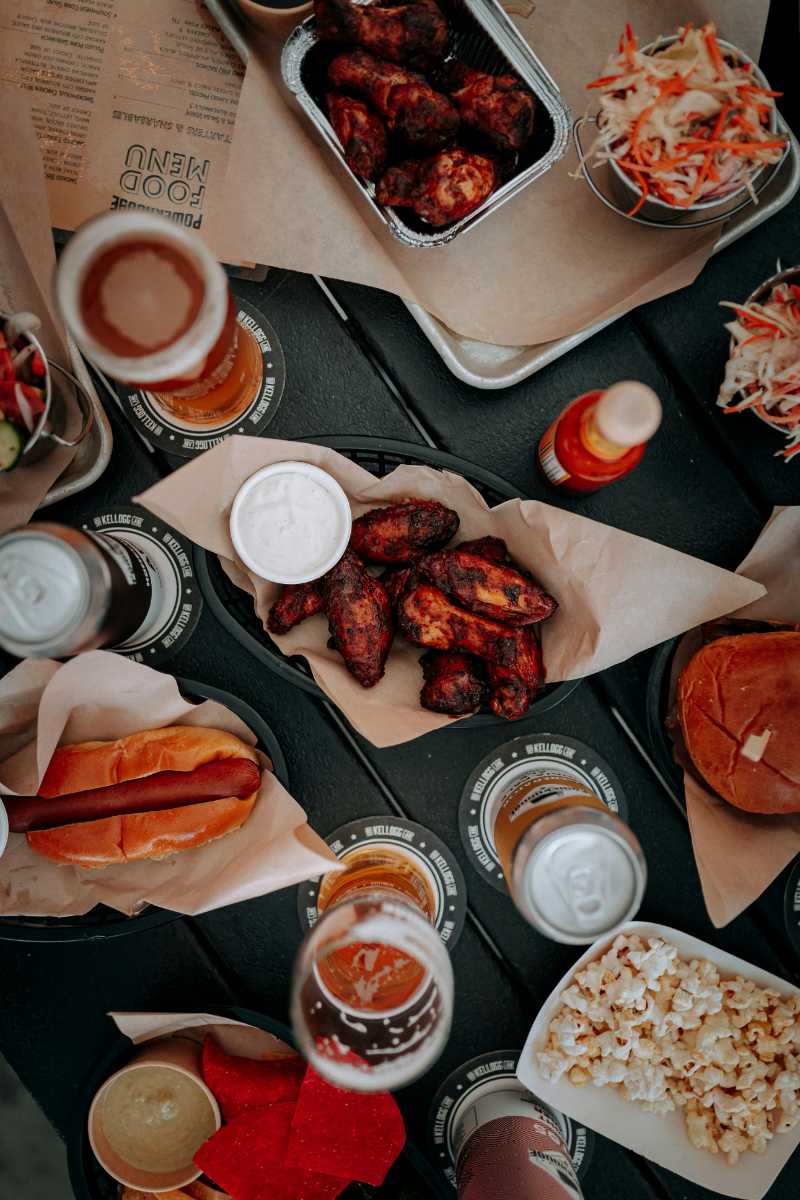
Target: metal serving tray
<point>93,454</point>
<point>484,365</point>
<point>484,37</point>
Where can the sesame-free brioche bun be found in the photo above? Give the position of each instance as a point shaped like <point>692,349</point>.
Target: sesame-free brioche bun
<point>739,712</point>
<point>140,835</point>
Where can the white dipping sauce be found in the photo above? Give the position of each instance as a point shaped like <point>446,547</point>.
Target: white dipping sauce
<point>288,524</point>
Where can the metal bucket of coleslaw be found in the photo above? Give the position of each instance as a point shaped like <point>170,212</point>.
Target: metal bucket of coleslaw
<point>627,193</point>
<point>762,293</point>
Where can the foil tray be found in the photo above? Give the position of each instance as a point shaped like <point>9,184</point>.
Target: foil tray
<point>490,367</point>
<point>483,37</point>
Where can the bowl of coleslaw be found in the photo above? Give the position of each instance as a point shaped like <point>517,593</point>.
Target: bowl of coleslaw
<point>687,125</point>
<point>762,374</point>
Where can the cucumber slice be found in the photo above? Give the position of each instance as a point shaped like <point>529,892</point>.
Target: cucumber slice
<point>11,445</point>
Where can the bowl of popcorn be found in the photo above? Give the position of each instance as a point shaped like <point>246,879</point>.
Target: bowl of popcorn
<point>685,1054</point>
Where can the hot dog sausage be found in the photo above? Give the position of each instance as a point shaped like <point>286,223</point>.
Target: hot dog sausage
<point>167,789</point>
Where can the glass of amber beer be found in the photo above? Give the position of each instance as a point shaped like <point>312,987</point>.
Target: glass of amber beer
<point>149,304</point>
<point>372,991</point>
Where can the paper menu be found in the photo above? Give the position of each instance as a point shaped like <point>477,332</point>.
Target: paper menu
<point>134,102</point>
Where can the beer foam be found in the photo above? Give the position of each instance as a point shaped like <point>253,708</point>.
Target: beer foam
<point>145,299</point>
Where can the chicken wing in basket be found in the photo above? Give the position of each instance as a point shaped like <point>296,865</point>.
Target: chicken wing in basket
<point>414,33</point>
<point>441,189</point>
<point>361,132</point>
<point>498,106</point>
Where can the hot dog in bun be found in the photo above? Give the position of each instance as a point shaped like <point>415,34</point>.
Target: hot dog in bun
<point>141,833</point>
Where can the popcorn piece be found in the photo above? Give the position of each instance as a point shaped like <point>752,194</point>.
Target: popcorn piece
<point>671,1034</point>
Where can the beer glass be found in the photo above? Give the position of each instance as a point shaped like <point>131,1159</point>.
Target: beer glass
<point>149,304</point>
<point>372,992</point>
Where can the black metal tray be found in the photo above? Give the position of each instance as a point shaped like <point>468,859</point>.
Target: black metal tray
<point>233,607</point>
<point>101,922</point>
<point>411,1178</point>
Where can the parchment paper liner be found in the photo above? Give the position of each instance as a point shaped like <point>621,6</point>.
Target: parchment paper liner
<point>27,263</point>
<point>618,593</point>
<point>661,1140</point>
<point>235,1037</point>
<point>738,854</point>
<point>100,696</point>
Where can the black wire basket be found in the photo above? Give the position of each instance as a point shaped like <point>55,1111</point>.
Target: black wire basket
<point>233,607</point>
<point>101,922</point>
<point>411,1178</point>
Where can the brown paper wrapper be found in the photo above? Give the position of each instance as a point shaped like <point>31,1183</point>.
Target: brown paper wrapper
<point>618,593</point>
<point>235,1037</point>
<point>490,283</point>
<point>27,263</point>
<point>97,697</point>
<point>738,854</point>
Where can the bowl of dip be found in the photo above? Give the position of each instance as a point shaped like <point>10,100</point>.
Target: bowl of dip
<point>290,522</point>
<point>149,1119</point>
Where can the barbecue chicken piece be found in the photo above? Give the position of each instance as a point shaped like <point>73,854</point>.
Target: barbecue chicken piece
<point>396,580</point>
<point>422,118</point>
<point>296,602</point>
<point>492,548</point>
<point>441,189</point>
<point>515,684</point>
<point>359,618</point>
<point>498,106</point>
<point>413,33</point>
<point>454,683</point>
<point>402,533</point>
<point>489,588</point>
<point>361,132</point>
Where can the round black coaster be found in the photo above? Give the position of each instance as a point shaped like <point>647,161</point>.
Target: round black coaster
<point>184,439</point>
<point>539,754</point>
<point>791,905</point>
<point>491,1072</point>
<point>177,602</point>
<point>428,853</point>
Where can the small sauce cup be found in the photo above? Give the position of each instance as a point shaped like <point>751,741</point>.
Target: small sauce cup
<point>296,528</point>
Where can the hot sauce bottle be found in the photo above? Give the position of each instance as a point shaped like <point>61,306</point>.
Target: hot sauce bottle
<point>599,437</point>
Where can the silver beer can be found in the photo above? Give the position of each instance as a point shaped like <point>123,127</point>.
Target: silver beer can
<point>508,1146</point>
<point>63,591</point>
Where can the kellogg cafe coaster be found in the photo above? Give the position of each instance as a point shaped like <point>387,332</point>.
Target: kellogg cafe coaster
<point>791,905</point>
<point>185,439</point>
<point>490,1074</point>
<point>391,845</point>
<point>176,603</point>
<point>535,756</point>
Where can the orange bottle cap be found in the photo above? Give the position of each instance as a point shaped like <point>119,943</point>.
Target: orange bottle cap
<point>628,413</point>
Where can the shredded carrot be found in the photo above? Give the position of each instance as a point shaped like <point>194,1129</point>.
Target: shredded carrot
<point>790,419</point>
<point>714,52</point>
<point>603,80</point>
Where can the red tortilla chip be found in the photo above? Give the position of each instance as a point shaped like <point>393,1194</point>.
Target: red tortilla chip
<point>241,1084</point>
<point>245,1157</point>
<point>354,1135</point>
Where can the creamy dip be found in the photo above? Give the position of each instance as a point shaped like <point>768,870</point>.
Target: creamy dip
<point>156,1118</point>
<point>288,525</point>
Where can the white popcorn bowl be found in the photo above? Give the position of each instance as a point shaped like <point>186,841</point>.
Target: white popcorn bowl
<point>661,1140</point>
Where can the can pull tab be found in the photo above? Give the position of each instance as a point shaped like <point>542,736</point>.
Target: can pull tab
<point>580,885</point>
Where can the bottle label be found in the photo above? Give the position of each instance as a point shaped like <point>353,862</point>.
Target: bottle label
<point>510,1148</point>
<point>549,461</point>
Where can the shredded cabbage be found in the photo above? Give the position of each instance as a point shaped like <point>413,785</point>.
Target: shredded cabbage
<point>686,123</point>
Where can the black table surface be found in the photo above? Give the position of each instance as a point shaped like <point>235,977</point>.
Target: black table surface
<point>705,487</point>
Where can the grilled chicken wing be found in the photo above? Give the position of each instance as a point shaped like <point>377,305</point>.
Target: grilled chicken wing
<point>515,683</point>
<point>295,603</point>
<point>427,618</point>
<point>516,673</point>
<point>454,683</point>
<point>498,106</point>
<point>441,189</point>
<point>402,533</point>
<point>413,33</point>
<point>490,588</point>
<point>359,618</point>
<point>492,548</point>
<point>361,132</point>
<point>396,580</point>
<point>423,118</point>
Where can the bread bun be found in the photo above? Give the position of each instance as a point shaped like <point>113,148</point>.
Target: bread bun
<point>739,711</point>
<point>141,835</point>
